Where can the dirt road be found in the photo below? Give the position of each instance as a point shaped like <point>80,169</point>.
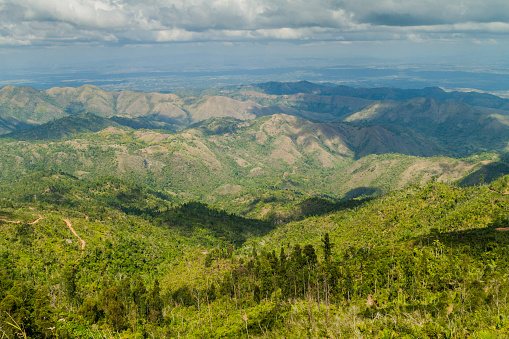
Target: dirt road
<point>68,222</point>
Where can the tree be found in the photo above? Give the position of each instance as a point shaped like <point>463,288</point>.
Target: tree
<point>309,252</point>
<point>114,308</point>
<point>139,296</point>
<point>155,304</point>
<point>208,260</point>
<point>69,281</point>
<point>90,310</point>
<point>327,246</point>
<point>298,260</point>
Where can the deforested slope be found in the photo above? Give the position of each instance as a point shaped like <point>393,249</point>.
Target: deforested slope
<point>461,123</point>
<point>233,163</point>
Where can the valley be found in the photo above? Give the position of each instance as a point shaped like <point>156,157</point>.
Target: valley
<point>270,210</point>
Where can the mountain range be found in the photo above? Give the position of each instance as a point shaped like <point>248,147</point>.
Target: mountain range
<point>229,146</point>
<point>230,162</point>
<point>277,210</point>
<point>462,123</point>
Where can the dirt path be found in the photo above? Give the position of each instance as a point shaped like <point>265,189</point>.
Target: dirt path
<point>11,221</point>
<point>36,220</point>
<point>86,216</point>
<point>68,222</point>
<point>19,221</point>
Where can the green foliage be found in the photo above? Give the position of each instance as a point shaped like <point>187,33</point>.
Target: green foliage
<point>500,185</point>
<point>69,273</point>
<point>26,312</point>
<point>197,218</point>
<point>434,253</point>
<point>148,236</point>
<point>327,247</point>
<point>242,167</point>
<point>72,125</point>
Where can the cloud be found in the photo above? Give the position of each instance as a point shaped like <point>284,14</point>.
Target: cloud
<point>428,12</point>
<point>49,22</point>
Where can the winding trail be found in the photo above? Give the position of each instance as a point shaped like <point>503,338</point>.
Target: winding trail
<point>68,222</point>
<point>11,221</point>
<point>36,220</point>
<point>19,221</point>
<point>86,216</point>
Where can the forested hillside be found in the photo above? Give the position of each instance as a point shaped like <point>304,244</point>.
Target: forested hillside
<point>281,210</point>
<point>252,168</point>
<point>426,261</point>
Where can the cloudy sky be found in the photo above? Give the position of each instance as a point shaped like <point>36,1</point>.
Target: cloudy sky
<point>46,31</point>
<point>68,22</point>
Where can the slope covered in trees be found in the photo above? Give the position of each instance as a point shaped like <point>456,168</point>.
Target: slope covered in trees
<point>426,261</point>
<point>361,223</point>
<point>260,168</point>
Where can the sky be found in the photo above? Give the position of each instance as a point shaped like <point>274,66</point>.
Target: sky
<point>51,33</point>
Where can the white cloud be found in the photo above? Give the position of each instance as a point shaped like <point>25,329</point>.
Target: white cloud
<point>93,14</point>
<point>13,42</point>
<point>485,42</point>
<point>170,35</point>
<point>153,21</point>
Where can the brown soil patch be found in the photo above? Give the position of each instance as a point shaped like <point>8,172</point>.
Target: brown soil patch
<point>151,136</point>
<point>229,189</point>
<point>264,211</point>
<point>36,220</point>
<point>68,222</point>
<point>81,173</point>
<point>154,149</point>
<point>284,155</point>
<point>11,221</point>
<point>241,162</point>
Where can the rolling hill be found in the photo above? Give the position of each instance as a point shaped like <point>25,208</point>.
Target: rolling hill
<point>275,210</point>
<point>234,163</point>
<point>477,121</point>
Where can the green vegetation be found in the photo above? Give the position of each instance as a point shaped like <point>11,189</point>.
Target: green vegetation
<point>263,168</point>
<point>115,222</point>
<point>426,261</point>
<point>65,127</point>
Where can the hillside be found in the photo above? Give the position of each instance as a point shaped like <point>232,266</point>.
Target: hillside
<point>65,127</point>
<point>234,163</point>
<point>75,238</point>
<point>455,125</point>
<point>439,117</point>
<point>425,261</point>
<point>281,210</point>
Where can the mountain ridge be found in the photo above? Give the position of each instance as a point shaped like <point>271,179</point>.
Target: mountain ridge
<point>252,222</point>
<point>24,107</point>
<point>229,162</point>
